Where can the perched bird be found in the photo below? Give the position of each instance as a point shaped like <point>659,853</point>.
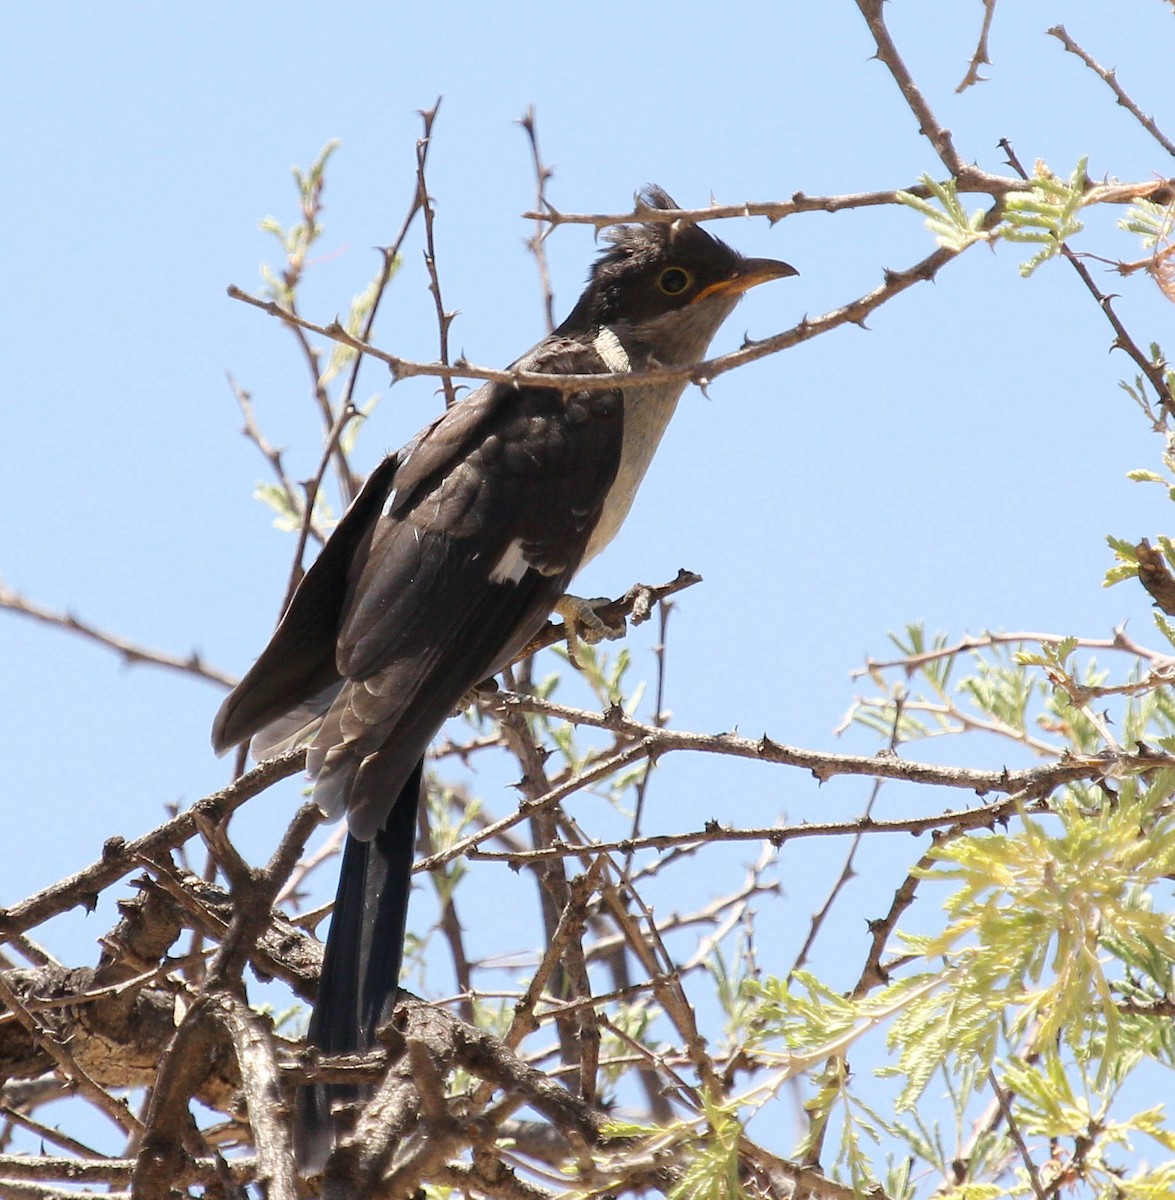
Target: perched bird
<point>442,570</point>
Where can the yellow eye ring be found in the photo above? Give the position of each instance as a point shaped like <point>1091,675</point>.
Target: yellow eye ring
<point>674,280</point>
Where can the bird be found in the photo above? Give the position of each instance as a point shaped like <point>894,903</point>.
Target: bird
<point>447,563</point>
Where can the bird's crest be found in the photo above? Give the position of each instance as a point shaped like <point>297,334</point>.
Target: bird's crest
<point>648,241</point>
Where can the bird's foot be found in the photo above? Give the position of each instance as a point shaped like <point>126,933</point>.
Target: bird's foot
<point>479,691</point>
<point>583,623</point>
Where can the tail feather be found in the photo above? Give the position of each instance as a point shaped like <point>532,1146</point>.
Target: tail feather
<point>361,968</point>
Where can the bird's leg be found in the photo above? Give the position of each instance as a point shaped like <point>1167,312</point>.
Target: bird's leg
<point>479,691</point>
<point>583,623</point>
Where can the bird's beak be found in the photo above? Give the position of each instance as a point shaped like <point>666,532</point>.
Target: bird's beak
<point>749,273</point>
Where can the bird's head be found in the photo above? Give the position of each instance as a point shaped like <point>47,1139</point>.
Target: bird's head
<point>666,286</point>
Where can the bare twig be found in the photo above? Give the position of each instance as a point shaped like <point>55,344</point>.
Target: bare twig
<point>855,312</point>
<point>537,242</point>
<point>983,817</point>
<point>912,662</point>
<point>120,857</point>
<point>722,917</point>
<point>774,210</point>
<point>390,256</point>
<point>346,414</point>
<point>550,875</point>
<point>824,765</point>
<point>664,609</point>
<point>981,57</point>
<point>310,200</point>
<point>951,720</point>
<point>1110,77</point>
<point>347,410</point>
<point>847,871</point>
<point>1017,1137</point>
<point>449,923</point>
<point>1154,371</point>
<point>928,123</point>
<point>270,453</point>
<point>67,1063</point>
<point>131,653</point>
<point>52,1137</point>
<point>444,319</point>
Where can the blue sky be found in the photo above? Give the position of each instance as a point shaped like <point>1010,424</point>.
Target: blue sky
<point>960,462</point>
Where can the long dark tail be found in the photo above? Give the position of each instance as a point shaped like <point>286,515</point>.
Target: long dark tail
<point>361,969</point>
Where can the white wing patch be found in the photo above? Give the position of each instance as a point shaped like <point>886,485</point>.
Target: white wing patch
<point>512,564</point>
<point>511,567</point>
<point>615,356</point>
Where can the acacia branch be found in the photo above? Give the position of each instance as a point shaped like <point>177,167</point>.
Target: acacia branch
<point>537,242</point>
<point>424,203</point>
<point>131,653</point>
<point>825,765</point>
<point>260,1079</point>
<point>1110,77</point>
<point>1154,371</point>
<point>67,1064</point>
<point>981,57</point>
<point>928,123</point>
<point>913,662</point>
<point>120,857</point>
<point>983,817</point>
<point>776,210</point>
<point>855,312</point>
<point>347,411</point>
<point>272,455</point>
<point>113,1172</point>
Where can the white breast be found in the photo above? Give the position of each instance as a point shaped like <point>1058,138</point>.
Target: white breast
<point>647,412</point>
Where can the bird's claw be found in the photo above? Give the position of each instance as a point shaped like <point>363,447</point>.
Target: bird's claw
<point>582,623</point>
<point>479,691</point>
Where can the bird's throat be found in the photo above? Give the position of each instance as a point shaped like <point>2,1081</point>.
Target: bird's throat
<point>647,412</point>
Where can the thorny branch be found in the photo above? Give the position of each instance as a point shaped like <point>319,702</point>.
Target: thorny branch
<point>981,57</point>
<point>910,663</point>
<point>120,857</point>
<point>346,411</point>
<point>131,653</point>
<point>537,243</point>
<point>271,454</point>
<point>928,124</point>
<point>1111,79</point>
<point>773,210</point>
<point>1153,370</point>
<point>596,912</point>
<point>424,205</point>
<point>855,312</point>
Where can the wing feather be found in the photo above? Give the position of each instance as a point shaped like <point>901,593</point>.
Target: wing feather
<point>408,607</point>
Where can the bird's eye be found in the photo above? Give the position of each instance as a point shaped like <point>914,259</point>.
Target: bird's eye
<point>673,281</point>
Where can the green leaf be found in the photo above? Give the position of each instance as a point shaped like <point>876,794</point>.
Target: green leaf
<point>953,229</point>
<point>1165,627</point>
<point>712,1170</point>
<point>1153,223</point>
<point>1045,214</point>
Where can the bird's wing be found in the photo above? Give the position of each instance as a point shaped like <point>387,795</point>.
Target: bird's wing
<point>487,522</point>
<point>299,662</point>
